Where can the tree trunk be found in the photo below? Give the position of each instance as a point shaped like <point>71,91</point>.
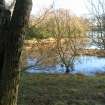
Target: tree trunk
<point>13,41</point>
<point>67,70</point>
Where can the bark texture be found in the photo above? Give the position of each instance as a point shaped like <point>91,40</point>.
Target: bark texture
<point>10,51</point>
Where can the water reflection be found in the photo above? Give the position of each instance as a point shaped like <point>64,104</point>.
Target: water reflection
<point>88,65</point>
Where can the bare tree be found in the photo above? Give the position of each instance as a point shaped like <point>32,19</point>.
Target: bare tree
<point>68,38</point>
<point>97,11</point>
<point>68,32</point>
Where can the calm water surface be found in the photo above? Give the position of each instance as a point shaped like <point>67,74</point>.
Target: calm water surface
<point>88,65</point>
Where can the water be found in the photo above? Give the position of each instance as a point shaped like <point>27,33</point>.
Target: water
<point>87,65</point>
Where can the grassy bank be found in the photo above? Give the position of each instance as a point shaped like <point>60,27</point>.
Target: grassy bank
<point>43,89</point>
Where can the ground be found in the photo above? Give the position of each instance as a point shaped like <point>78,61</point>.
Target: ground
<point>61,89</point>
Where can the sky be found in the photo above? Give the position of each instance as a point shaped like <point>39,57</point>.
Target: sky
<point>78,7</point>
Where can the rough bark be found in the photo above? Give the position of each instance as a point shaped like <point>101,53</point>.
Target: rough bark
<point>12,47</point>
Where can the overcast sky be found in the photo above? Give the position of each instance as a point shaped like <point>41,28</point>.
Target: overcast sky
<point>78,7</point>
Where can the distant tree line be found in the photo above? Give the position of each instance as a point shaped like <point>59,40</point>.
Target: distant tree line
<point>44,29</point>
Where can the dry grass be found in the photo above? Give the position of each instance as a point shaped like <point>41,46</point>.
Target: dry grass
<point>43,89</point>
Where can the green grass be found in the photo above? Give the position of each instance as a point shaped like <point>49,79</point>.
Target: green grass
<point>44,89</point>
